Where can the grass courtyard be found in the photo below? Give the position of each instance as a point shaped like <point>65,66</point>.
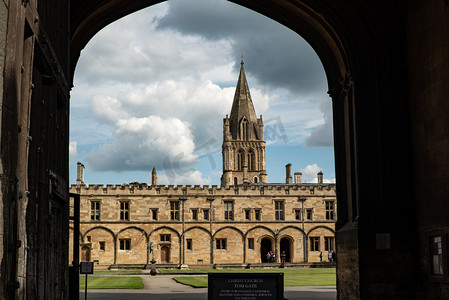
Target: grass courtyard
<point>292,277</point>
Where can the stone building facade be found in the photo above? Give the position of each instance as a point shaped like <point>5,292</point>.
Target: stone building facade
<point>236,224</point>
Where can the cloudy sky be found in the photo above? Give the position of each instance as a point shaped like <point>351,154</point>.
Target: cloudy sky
<point>152,89</point>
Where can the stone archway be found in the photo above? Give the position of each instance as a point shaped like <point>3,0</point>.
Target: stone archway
<point>265,246</point>
<point>165,254</point>
<point>285,246</point>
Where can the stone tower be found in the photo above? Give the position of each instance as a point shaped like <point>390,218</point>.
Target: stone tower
<point>243,144</point>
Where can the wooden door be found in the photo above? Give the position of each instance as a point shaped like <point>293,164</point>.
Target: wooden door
<point>165,254</point>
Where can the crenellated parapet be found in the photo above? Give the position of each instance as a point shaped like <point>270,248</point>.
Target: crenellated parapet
<point>144,189</point>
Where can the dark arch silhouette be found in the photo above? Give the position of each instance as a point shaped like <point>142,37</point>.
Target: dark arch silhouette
<point>266,245</point>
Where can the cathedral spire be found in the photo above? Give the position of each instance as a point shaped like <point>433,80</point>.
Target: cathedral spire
<point>242,106</point>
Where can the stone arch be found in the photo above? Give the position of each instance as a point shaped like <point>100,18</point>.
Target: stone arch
<point>320,226</point>
<point>105,256</point>
<point>131,246</point>
<point>292,226</point>
<point>164,249</point>
<point>199,227</point>
<point>234,245</point>
<point>260,226</point>
<point>229,227</point>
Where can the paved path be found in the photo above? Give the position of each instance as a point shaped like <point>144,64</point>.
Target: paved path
<point>163,287</point>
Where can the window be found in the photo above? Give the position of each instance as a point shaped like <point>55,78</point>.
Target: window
<point>125,244</point>
<point>436,255</point>
<point>124,211</point>
<point>95,210</point>
<point>228,210</point>
<point>205,214</point>
<point>102,246</point>
<point>251,160</point>
<point>244,130</point>
<point>309,214</point>
<point>255,179</point>
<point>298,214</point>
<point>329,210</point>
<point>279,210</point>
<point>165,237</point>
<point>251,243</point>
<point>189,244</point>
<point>240,160</point>
<point>248,214</point>
<point>174,210</point>
<point>89,238</point>
<point>194,214</point>
<point>235,181</point>
<point>314,244</point>
<point>221,244</point>
<point>257,214</point>
<point>154,214</point>
<point>328,244</point>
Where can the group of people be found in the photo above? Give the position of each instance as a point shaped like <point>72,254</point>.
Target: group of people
<point>331,256</point>
<point>271,257</point>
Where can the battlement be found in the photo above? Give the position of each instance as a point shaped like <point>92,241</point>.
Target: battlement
<point>145,189</point>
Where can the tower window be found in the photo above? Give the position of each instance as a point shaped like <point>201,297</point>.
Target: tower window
<point>240,160</point>
<point>244,130</point>
<point>251,162</point>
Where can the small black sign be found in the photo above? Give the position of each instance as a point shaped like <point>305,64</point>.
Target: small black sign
<point>245,286</point>
<point>86,267</point>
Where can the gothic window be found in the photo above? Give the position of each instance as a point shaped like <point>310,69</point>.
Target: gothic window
<point>255,179</point>
<point>251,160</point>
<point>174,210</point>
<point>205,214</point>
<point>124,210</point>
<point>95,210</point>
<point>314,244</point>
<point>194,214</point>
<point>244,130</point>
<point>235,181</point>
<point>220,244</point>
<point>279,210</point>
<point>250,243</point>
<point>189,244</point>
<point>309,213</point>
<point>125,244</point>
<point>228,210</point>
<point>240,160</point>
<point>329,210</point>
<point>328,244</point>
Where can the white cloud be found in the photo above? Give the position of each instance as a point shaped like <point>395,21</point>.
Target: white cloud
<point>141,143</point>
<point>309,174</point>
<point>183,178</point>
<point>73,149</point>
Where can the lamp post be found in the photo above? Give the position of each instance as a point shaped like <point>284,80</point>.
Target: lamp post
<point>211,199</point>
<point>183,199</point>
<point>302,199</point>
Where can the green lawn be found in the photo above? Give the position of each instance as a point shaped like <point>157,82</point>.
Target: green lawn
<point>117,271</point>
<point>292,277</point>
<point>115,282</point>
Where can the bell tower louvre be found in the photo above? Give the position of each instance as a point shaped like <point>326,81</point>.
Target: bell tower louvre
<point>243,142</point>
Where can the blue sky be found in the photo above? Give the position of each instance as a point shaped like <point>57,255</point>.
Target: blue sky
<point>152,89</point>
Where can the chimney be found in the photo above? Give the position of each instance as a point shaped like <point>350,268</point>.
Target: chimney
<point>263,176</point>
<point>320,177</point>
<point>298,177</point>
<point>153,177</point>
<point>288,173</point>
<point>79,173</point>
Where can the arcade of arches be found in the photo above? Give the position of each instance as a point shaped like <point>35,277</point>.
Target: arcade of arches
<point>387,69</point>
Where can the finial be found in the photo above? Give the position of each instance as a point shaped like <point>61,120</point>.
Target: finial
<point>242,60</point>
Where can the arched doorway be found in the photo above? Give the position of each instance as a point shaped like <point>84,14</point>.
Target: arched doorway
<point>85,253</point>
<point>165,254</point>
<point>285,246</point>
<point>265,247</point>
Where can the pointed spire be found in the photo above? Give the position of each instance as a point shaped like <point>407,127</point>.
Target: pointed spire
<point>242,106</point>
<point>154,177</point>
